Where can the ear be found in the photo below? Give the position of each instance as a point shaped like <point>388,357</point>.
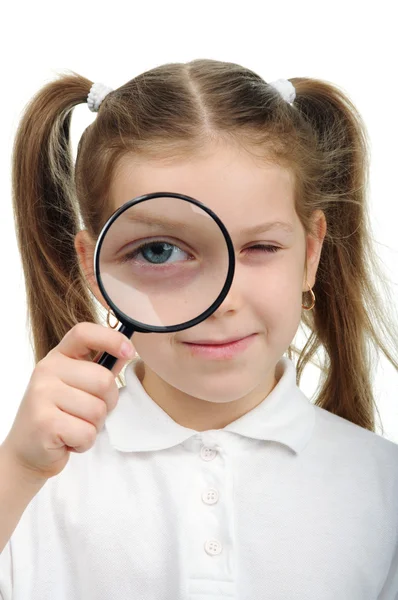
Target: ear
<point>314,243</point>
<point>85,251</point>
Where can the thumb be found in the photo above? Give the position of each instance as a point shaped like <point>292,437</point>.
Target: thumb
<point>120,362</point>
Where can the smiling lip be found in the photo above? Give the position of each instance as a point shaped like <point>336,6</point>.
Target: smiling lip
<point>217,342</point>
<point>222,351</point>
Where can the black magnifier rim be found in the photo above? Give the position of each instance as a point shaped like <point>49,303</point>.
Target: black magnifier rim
<point>143,327</point>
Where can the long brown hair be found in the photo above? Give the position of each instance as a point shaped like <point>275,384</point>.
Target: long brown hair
<point>175,109</point>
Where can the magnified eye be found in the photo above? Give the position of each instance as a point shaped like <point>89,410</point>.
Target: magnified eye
<point>156,252</point>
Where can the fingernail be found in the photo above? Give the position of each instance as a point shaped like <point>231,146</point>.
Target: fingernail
<point>127,350</point>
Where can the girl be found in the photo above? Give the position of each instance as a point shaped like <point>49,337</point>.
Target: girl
<point>206,473</point>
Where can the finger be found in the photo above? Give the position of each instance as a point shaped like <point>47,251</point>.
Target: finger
<point>84,337</point>
<point>83,406</point>
<point>90,378</point>
<point>74,433</point>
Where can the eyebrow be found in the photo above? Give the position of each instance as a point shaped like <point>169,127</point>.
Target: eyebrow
<point>263,227</point>
<point>259,228</point>
<point>154,222</point>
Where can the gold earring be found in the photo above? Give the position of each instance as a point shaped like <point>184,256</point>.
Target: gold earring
<point>107,319</point>
<point>313,300</point>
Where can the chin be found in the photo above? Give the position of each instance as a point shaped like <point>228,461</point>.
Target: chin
<point>218,387</point>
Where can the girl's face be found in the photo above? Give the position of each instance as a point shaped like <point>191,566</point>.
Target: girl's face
<point>265,298</point>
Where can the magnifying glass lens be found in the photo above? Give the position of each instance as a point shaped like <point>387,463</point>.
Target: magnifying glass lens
<point>163,261</point>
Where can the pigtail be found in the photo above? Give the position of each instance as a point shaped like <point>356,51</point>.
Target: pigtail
<point>349,319</point>
<point>46,214</point>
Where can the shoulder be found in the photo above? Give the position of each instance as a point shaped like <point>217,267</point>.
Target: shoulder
<point>363,449</point>
<point>352,433</point>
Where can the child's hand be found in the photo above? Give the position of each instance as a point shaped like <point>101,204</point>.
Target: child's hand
<point>66,401</point>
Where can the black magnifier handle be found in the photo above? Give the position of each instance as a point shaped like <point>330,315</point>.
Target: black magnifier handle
<point>107,360</point>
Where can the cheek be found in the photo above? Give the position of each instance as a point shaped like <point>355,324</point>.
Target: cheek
<point>157,351</point>
<point>151,344</point>
<point>278,290</point>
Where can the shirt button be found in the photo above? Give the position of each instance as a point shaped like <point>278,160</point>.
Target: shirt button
<point>207,453</point>
<point>210,496</point>
<point>213,547</point>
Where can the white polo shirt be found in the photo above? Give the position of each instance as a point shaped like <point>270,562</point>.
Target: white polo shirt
<point>288,502</point>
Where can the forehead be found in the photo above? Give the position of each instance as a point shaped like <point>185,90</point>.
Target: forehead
<point>240,190</point>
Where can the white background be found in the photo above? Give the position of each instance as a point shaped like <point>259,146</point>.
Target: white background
<point>351,44</point>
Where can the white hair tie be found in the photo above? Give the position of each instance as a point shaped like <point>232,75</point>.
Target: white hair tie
<point>285,88</point>
<point>96,95</point>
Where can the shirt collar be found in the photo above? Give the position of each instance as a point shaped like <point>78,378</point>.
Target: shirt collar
<point>138,424</point>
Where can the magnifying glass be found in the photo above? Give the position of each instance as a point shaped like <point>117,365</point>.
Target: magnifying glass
<point>163,262</point>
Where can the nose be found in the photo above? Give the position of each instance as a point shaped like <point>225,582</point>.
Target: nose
<point>235,298</point>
